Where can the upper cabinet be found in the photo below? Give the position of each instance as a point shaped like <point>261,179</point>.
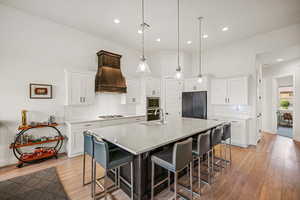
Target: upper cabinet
<point>133,94</point>
<point>80,88</point>
<point>232,91</point>
<point>153,87</point>
<point>192,84</point>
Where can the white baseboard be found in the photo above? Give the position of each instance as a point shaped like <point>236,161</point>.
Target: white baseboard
<point>10,161</point>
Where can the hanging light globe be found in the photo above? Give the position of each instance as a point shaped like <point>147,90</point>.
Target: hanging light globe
<point>143,67</point>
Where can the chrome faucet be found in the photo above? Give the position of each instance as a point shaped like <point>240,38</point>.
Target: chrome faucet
<point>161,114</point>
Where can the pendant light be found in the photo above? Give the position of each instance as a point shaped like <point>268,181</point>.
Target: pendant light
<point>179,73</point>
<point>200,77</point>
<point>143,67</point>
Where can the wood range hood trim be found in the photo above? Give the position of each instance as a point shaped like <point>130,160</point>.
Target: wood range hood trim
<point>109,77</point>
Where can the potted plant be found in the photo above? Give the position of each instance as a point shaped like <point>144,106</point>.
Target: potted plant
<point>285,104</point>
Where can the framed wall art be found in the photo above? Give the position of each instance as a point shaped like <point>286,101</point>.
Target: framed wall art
<point>40,91</point>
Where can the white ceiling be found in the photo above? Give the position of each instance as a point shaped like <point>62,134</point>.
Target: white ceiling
<point>286,55</point>
<point>244,18</point>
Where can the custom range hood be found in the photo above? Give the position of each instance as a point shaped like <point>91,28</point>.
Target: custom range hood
<point>109,77</point>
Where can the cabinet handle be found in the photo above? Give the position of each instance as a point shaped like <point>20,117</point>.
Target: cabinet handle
<point>87,125</point>
<point>84,99</point>
<point>228,100</point>
<point>80,99</point>
<point>225,100</point>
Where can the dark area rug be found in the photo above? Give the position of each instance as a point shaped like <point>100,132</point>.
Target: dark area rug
<point>41,185</point>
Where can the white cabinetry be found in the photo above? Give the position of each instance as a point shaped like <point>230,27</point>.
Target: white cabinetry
<point>75,131</point>
<point>192,84</point>
<point>153,87</point>
<point>239,133</point>
<point>133,95</point>
<point>80,88</point>
<point>233,91</point>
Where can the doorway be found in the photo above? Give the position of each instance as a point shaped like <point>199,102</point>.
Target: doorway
<point>284,113</point>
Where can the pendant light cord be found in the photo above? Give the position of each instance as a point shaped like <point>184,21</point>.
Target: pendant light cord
<point>143,30</point>
<point>178,45</point>
<point>200,45</point>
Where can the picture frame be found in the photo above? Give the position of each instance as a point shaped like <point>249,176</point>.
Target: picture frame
<point>40,91</point>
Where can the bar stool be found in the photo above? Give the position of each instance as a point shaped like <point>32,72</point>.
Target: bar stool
<point>225,137</point>
<point>174,160</point>
<point>88,149</point>
<point>216,139</point>
<point>110,160</point>
<point>200,148</point>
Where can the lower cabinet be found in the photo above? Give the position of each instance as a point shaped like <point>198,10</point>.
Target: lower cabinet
<point>239,133</point>
<point>75,132</point>
<point>77,143</point>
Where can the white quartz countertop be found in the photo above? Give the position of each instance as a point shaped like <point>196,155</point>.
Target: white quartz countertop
<point>95,119</point>
<point>139,138</point>
<point>230,118</point>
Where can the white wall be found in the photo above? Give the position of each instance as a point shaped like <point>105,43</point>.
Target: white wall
<point>285,81</point>
<point>239,58</point>
<point>270,90</point>
<point>35,50</point>
<point>164,63</point>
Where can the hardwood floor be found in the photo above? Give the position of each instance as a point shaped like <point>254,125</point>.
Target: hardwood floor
<point>271,171</point>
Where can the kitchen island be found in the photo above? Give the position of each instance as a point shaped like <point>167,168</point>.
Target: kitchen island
<point>145,138</point>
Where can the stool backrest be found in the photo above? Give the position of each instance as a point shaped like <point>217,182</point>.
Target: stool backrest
<point>182,153</point>
<point>226,131</point>
<point>216,136</point>
<point>203,143</point>
<point>101,152</point>
<point>88,146</point>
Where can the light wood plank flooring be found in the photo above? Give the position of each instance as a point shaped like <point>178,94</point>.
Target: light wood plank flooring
<point>271,171</point>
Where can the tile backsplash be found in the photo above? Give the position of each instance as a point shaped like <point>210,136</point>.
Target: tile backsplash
<point>231,110</point>
<point>105,104</point>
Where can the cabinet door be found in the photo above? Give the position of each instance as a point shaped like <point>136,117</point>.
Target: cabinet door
<point>133,91</point>
<point>77,89</point>
<point>81,88</point>
<point>218,91</point>
<point>153,86</point>
<point>77,143</point>
<point>173,98</point>
<point>191,85</point>
<point>237,91</point>
<point>89,90</point>
<point>239,133</point>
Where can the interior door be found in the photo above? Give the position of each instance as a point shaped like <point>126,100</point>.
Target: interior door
<point>173,98</point>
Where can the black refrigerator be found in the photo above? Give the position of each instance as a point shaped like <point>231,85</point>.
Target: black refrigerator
<point>194,104</point>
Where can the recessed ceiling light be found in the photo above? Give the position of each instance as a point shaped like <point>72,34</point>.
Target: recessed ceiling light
<point>116,21</point>
<point>205,36</point>
<point>279,59</point>
<point>225,28</point>
<point>158,40</point>
<point>189,42</point>
<point>140,31</point>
